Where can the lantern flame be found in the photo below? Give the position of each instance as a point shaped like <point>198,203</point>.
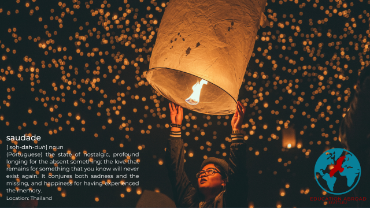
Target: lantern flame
<point>197,87</point>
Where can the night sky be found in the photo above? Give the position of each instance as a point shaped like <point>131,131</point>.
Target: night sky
<point>73,72</point>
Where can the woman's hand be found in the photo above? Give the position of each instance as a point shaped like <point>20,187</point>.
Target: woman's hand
<point>176,114</point>
<point>237,120</point>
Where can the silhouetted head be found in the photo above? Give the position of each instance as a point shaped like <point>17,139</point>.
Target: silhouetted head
<point>364,76</point>
<point>25,203</point>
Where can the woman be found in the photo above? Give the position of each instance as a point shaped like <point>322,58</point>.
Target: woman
<point>354,133</point>
<point>220,183</point>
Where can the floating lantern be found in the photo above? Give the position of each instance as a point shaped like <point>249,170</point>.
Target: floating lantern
<point>205,40</point>
<point>289,139</point>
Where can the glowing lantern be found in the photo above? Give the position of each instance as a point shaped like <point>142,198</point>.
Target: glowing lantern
<point>289,139</point>
<point>194,98</point>
<point>205,40</point>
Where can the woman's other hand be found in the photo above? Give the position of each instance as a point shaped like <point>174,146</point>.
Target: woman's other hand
<point>176,114</point>
<point>237,120</point>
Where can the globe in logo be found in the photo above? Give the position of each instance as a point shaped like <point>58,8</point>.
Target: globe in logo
<point>337,171</point>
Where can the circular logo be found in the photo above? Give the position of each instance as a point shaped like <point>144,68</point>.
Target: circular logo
<point>337,171</point>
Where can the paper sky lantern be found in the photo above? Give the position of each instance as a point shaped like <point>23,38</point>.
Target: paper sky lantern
<point>289,139</point>
<point>210,40</point>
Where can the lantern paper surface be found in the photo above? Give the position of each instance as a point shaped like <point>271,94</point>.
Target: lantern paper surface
<point>205,39</point>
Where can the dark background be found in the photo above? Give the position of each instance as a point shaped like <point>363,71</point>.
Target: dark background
<point>297,77</point>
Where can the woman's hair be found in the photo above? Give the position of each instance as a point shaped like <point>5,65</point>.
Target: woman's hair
<point>364,73</point>
<point>222,171</point>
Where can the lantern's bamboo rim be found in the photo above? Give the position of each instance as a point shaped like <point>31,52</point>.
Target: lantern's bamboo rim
<point>157,68</point>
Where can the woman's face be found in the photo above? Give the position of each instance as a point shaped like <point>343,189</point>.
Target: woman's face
<point>210,181</point>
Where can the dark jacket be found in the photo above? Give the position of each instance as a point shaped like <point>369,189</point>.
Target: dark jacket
<point>185,194</point>
<point>355,136</point>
